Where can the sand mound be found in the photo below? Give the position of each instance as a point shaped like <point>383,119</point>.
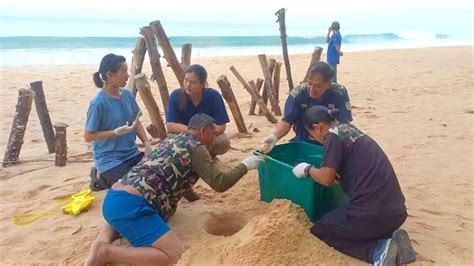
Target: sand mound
<point>280,235</point>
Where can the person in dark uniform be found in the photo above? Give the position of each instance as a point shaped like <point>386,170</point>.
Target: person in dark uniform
<point>367,227</point>
<point>320,90</point>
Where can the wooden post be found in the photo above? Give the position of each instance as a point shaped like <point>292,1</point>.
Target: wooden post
<point>270,117</point>
<point>15,141</point>
<point>158,75</point>
<point>137,63</point>
<point>147,97</point>
<point>186,55</point>
<point>229,97</point>
<point>281,20</point>
<point>61,144</point>
<point>276,81</point>
<point>43,115</point>
<point>268,84</point>
<point>253,103</point>
<point>314,58</point>
<point>252,90</point>
<point>168,51</point>
<point>271,65</point>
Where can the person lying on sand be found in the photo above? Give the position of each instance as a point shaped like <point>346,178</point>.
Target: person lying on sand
<point>368,228</point>
<point>318,91</point>
<point>195,97</point>
<point>138,206</point>
<point>112,124</point>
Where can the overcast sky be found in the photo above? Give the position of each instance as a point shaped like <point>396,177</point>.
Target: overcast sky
<point>356,16</point>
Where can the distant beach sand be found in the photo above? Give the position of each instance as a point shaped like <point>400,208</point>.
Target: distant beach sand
<point>417,104</point>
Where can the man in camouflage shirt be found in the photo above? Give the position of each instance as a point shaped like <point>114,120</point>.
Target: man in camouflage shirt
<point>320,90</point>
<point>138,206</point>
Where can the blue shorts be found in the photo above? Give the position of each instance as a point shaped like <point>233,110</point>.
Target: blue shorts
<point>133,218</point>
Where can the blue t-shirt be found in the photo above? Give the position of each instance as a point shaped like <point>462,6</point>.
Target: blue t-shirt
<point>299,101</point>
<point>333,55</point>
<point>210,104</point>
<point>107,113</point>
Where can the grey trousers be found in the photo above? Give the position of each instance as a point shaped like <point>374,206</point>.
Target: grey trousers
<point>334,79</point>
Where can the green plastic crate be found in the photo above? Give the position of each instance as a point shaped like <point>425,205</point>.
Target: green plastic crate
<point>278,182</point>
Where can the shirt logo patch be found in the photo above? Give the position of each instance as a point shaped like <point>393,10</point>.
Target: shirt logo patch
<point>348,106</point>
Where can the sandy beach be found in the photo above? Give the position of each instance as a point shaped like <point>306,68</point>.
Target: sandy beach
<point>418,104</point>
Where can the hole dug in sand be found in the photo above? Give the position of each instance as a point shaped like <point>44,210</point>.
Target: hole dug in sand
<point>224,224</point>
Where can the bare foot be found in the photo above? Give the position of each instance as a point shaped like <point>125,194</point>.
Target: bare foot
<point>97,254</point>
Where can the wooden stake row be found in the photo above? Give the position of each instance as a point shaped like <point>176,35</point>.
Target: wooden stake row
<point>269,83</point>
<point>252,90</point>
<point>253,104</point>
<point>20,120</point>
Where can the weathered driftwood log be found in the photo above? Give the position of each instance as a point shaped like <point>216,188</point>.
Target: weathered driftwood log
<point>229,96</point>
<point>253,104</point>
<point>314,58</point>
<point>43,115</point>
<point>270,117</point>
<point>268,84</point>
<point>156,68</point>
<point>20,120</point>
<point>168,51</point>
<point>276,80</point>
<point>271,65</point>
<point>281,20</point>
<point>186,55</point>
<point>137,63</point>
<point>252,90</point>
<point>61,144</point>
<point>153,110</point>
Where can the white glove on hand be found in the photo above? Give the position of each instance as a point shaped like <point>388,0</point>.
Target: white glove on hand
<point>124,129</point>
<point>252,162</point>
<point>301,170</point>
<point>268,143</point>
<point>148,148</point>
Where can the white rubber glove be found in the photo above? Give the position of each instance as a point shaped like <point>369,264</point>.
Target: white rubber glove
<point>148,148</point>
<point>252,162</point>
<point>268,143</point>
<point>124,129</point>
<point>301,170</point>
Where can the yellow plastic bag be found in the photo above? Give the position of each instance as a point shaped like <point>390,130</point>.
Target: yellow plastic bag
<point>79,202</point>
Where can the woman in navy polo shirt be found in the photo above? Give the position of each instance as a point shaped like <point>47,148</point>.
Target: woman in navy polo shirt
<point>195,98</point>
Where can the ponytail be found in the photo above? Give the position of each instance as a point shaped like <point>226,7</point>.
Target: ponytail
<point>110,62</point>
<point>99,83</point>
<point>319,114</point>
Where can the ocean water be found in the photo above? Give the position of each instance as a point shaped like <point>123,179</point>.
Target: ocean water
<point>215,40</point>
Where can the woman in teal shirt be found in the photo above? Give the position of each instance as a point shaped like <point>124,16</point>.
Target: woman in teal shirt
<point>112,125</point>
